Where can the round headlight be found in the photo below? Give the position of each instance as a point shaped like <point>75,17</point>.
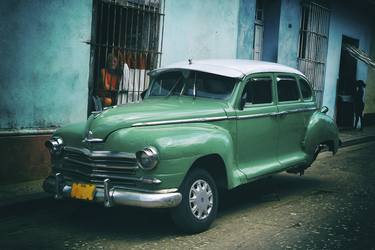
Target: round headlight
<point>54,145</point>
<point>148,158</point>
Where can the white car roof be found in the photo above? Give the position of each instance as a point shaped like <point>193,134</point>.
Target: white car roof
<point>236,68</point>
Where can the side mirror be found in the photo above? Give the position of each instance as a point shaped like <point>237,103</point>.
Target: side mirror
<point>243,101</point>
<point>143,93</point>
<point>324,110</point>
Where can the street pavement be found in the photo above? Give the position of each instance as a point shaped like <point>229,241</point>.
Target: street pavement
<point>331,207</point>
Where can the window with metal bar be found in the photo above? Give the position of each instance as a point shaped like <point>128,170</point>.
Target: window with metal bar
<point>258,30</point>
<point>313,45</point>
<point>126,45</point>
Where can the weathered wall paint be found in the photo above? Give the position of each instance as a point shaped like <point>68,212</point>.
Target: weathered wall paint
<point>246,19</point>
<point>370,83</point>
<point>358,26</point>
<point>290,16</point>
<point>30,158</point>
<point>45,64</point>
<point>271,30</point>
<point>199,29</point>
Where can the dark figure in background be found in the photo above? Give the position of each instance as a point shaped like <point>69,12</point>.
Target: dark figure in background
<point>359,105</point>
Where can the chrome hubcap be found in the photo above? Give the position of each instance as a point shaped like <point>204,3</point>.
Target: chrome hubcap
<point>200,199</point>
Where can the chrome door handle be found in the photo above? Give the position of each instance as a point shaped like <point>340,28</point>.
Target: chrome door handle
<point>283,113</point>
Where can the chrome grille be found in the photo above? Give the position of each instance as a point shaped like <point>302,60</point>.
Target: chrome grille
<point>82,165</point>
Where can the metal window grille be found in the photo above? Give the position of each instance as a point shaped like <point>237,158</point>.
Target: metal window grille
<point>258,31</point>
<point>313,45</point>
<point>131,33</point>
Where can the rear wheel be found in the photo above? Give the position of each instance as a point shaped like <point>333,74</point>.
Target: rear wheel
<point>199,204</point>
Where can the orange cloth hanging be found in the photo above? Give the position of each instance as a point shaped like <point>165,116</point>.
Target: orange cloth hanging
<point>111,82</point>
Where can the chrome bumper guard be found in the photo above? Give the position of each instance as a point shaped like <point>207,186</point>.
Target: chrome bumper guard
<point>111,196</point>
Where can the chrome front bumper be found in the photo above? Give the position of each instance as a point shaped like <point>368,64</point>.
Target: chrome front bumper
<point>111,196</point>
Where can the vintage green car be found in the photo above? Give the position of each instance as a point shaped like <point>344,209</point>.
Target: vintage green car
<point>203,126</point>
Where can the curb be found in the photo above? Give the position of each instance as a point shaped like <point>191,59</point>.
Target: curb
<point>355,141</point>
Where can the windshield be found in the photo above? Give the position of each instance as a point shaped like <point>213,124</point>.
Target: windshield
<point>192,83</point>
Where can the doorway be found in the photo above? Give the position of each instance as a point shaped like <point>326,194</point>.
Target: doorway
<point>346,85</point>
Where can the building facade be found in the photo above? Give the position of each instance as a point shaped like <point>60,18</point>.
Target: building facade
<point>57,54</point>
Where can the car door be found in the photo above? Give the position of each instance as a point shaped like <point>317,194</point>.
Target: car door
<point>292,122</point>
<point>257,127</point>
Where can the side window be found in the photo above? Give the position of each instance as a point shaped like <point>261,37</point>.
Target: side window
<point>259,90</point>
<point>305,89</point>
<point>287,89</point>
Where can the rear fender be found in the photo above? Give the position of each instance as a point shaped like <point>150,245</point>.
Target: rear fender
<point>320,130</point>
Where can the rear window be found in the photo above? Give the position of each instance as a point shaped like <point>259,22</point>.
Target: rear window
<point>287,89</point>
<point>305,89</point>
<point>259,90</point>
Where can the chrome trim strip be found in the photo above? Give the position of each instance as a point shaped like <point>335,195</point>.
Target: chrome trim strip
<point>220,118</point>
<point>243,117</point>
<point>207,119</point>
<point>275,113</point>
<point>300,110</point>
<point>91,175</point>
<point>283,112</point>
<point>144,180</point>
<point>93,140</point>
<point>100,165</point>
<point>99,154</point>
<point>160,191</point>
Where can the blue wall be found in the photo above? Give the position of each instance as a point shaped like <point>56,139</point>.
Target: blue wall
<point>351,20</point>
<point>45,64</point>
<point>246,21</point>
<point>199,30</point>
<point>290,16</point>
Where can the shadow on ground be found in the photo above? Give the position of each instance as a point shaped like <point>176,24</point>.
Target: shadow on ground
<point>59,222</point>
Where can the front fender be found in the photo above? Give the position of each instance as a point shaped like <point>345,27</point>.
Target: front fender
<point>179,147</point>
<point>321,129</point>
<point>72,134</point>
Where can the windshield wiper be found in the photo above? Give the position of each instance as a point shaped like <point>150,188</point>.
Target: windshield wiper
<point>174,86</point>
<point>194,88</point>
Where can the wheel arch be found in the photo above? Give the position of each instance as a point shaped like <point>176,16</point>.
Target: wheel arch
<point>321,130</point>
<point>215,166</point>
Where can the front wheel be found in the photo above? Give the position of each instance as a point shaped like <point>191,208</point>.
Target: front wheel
<point>199,204</point>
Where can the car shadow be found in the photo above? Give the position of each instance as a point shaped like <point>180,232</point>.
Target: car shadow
<point>131,221</point>
<point>270,189</point>
<point>92,222</point>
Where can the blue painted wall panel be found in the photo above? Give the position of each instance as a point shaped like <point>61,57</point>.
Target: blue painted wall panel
<point>45,64</point>
<point>290,16</point>
<point>200,30</point>
<point>246,21</point>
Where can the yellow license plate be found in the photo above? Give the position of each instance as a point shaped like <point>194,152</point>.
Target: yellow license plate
<point>83,191</point>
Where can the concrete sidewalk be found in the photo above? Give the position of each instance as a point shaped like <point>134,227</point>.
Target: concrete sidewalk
<point>351,137</point>
<point>27,191</point>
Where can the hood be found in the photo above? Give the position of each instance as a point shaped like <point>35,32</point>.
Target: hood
<point>152,110</point>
